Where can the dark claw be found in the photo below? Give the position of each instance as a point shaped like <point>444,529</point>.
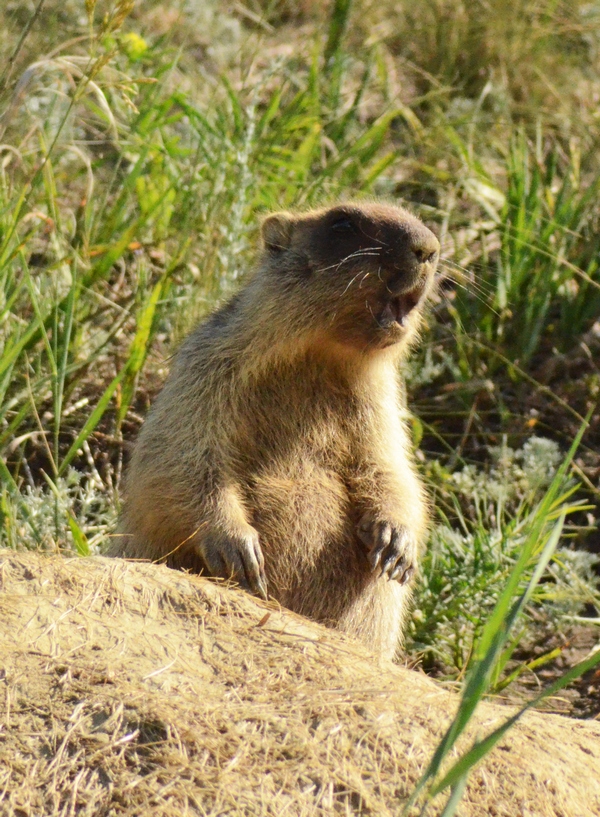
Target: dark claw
<point>402,574</point>
<point>260,587</point>
<point>391,565</point>
<point>389,547</point>
<point>374,557</point>
<point>238,558</point>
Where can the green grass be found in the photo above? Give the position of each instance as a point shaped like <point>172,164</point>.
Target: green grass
<point>467,565</point>
<point>135,159</point>
<point>494,646</point>
<point>542,285</point>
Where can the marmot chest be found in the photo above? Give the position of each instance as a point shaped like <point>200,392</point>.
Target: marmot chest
<point>297,465</point>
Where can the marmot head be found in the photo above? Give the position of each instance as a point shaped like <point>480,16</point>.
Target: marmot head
<point>358,271</point>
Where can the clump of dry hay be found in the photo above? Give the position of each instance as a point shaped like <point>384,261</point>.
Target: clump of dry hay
<point>134,689</point>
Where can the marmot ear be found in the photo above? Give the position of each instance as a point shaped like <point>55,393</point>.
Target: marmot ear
<point>277,232</point>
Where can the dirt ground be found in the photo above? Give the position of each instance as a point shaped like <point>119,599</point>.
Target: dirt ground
<point>134,689</point>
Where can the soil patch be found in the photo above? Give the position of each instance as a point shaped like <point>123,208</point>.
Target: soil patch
<point>134,689</point>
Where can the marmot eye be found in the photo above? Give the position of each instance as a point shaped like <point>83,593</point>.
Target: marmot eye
<point>343,225</point>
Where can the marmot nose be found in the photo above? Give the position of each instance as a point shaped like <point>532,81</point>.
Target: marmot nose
<point>424,246</point>
<point>419,247</point>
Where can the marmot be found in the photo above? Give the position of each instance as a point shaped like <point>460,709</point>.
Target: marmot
<point>276,454</point>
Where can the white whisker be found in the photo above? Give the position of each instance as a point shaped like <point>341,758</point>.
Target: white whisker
<point>350,284</point>
<point>367,252</point>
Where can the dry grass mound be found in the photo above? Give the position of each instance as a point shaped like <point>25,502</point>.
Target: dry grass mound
<point>133,689</point>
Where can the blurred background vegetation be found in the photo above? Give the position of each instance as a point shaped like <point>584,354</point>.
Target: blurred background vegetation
<point>139,143</point>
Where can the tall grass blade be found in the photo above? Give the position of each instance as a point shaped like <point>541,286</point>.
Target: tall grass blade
<point>498,626</point>
<point>91,422</point>
<point>139,349</point>
<point>455,797</point>
<point>81,543</point>
<point>481,748</point>
<point>337,26</point>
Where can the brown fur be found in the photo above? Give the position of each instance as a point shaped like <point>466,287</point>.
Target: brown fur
<point>276,453</point>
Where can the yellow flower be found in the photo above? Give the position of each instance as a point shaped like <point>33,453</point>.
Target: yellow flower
<point>134,46</point>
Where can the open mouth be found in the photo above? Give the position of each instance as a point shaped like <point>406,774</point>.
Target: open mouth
<point>397,309</point>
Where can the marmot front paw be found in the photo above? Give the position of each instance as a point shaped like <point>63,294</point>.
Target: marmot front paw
<point>391,547</point>
<point>237,557</point>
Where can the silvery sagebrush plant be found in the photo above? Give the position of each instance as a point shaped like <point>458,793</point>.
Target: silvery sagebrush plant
<point>469,558</point>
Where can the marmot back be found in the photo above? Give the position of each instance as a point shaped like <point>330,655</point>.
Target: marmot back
<point>276,454</point>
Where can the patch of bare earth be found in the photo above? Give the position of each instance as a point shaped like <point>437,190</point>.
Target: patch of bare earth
<point>133,689</point>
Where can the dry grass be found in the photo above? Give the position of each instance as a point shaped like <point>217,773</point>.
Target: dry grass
<point>135,166</point>
<point>133,689</point>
